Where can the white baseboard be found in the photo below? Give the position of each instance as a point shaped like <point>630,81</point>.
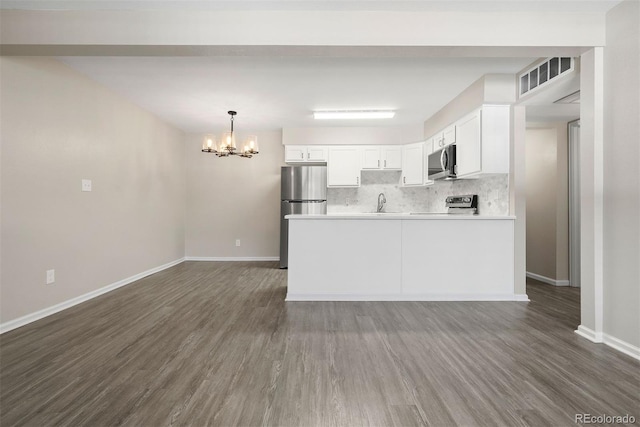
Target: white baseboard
<point>589,334</point>
<point>399,297</point>
<point>611,341</point>
<point>548,280</point>
<point>24,320</point>
<point>218,258</point>
<point>622,346</point>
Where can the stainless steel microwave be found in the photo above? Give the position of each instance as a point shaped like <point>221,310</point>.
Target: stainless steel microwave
<point>442,163</point>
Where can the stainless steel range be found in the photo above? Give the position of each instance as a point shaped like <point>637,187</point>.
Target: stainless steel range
<point>467,204</point>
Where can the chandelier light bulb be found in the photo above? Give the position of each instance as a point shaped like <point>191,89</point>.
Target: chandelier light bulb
<point>227,144</point>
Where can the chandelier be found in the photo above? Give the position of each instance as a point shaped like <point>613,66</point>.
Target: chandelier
<point>227,145</point>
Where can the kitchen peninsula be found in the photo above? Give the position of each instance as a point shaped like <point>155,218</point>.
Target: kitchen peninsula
<point>401,257</point>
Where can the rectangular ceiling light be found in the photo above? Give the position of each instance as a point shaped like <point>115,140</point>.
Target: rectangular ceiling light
<point>353,114</point>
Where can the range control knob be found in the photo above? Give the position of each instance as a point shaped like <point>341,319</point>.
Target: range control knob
<point>467,199</point>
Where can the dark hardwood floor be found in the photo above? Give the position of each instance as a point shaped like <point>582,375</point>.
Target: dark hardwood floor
<point>208,343</point>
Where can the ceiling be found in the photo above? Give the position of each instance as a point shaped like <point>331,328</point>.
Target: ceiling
<point>195,93</point>
<point>552,6</point>
<point>272,89</point>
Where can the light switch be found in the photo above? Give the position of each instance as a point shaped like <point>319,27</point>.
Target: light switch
<point>86,185</point>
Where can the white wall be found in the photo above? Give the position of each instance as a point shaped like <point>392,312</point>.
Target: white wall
<point>352,135</point>
<point>547,201</point>
<point>622,174</point>
<point>234,198</point>
<point>488,89</point>
<point>58,127</point>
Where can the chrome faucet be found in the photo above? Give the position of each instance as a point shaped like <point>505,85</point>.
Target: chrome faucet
<point>381,201</point>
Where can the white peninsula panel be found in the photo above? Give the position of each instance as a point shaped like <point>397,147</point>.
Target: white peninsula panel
<point>344,259</point>
<point>401,257</point>
<point>458,260</point>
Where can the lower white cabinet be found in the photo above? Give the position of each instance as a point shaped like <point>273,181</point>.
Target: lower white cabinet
<point>413,164</point>
<point>343,166</point>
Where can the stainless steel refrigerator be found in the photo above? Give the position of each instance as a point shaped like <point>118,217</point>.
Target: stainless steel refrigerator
<point>303,191</point>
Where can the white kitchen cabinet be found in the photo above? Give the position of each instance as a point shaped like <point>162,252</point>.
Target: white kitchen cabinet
<point>449,135</point>
<point>343,166</point>
<point>482,142</point>
<point>437,140</point>
<point>305,153</point>
<point>413,164</point>
<point>469,145</point>
<point>391,157</point>
<point>381,157</point>
<point>444,138</point>
<point>428,149</point>
<point>371,157</point>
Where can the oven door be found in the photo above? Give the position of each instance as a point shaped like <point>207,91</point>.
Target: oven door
<point>442,163</point>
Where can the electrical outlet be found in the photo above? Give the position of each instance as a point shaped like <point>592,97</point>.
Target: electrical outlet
<point>51,276</point>
<point>237,242</point>
<point>86,185</point>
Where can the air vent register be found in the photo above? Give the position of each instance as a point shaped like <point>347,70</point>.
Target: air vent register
<point>543,73</point>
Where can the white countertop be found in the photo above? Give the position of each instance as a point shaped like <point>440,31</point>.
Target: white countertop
<point>399,215</point>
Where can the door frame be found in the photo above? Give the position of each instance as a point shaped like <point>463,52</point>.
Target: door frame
<point>573,139</point>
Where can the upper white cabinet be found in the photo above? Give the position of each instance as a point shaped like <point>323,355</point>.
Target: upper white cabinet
<point>444,138</point>
<point>381,157</point>
<point>469,146</point>
<point>305,153</point>
<point>482,142</point>
<point>371,157</point>
<point>428,149</point>
<point>449,135</point>
<point>343,166</point>
<point>413,164</point>
<point>392,157</point>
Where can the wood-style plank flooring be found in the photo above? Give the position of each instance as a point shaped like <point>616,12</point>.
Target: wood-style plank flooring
<point>207,343</point>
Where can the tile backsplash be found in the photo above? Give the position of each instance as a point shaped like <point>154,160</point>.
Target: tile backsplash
<point>492,191</point>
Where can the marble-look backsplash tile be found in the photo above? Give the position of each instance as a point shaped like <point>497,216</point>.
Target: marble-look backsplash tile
<point>492,191</point>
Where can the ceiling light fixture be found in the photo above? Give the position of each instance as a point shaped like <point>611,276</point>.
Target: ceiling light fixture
<point>227,145</point>
<point>353,114</point>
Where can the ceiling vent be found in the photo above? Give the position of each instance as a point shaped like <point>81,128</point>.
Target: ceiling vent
<point>573,98</point>
<point>544,73</point>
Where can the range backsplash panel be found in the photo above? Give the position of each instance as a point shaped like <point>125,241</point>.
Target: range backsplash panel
<point>492,191</point>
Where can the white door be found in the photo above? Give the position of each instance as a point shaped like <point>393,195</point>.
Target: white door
<point>316,153</point>
<point>413,164</point>
<point>343,167</point>
<point>468,145</point>
<point>449,135</point>
<point>371,158</point>
<point>295,153</point>
<point>428,149</point>
<point>392,158</point>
